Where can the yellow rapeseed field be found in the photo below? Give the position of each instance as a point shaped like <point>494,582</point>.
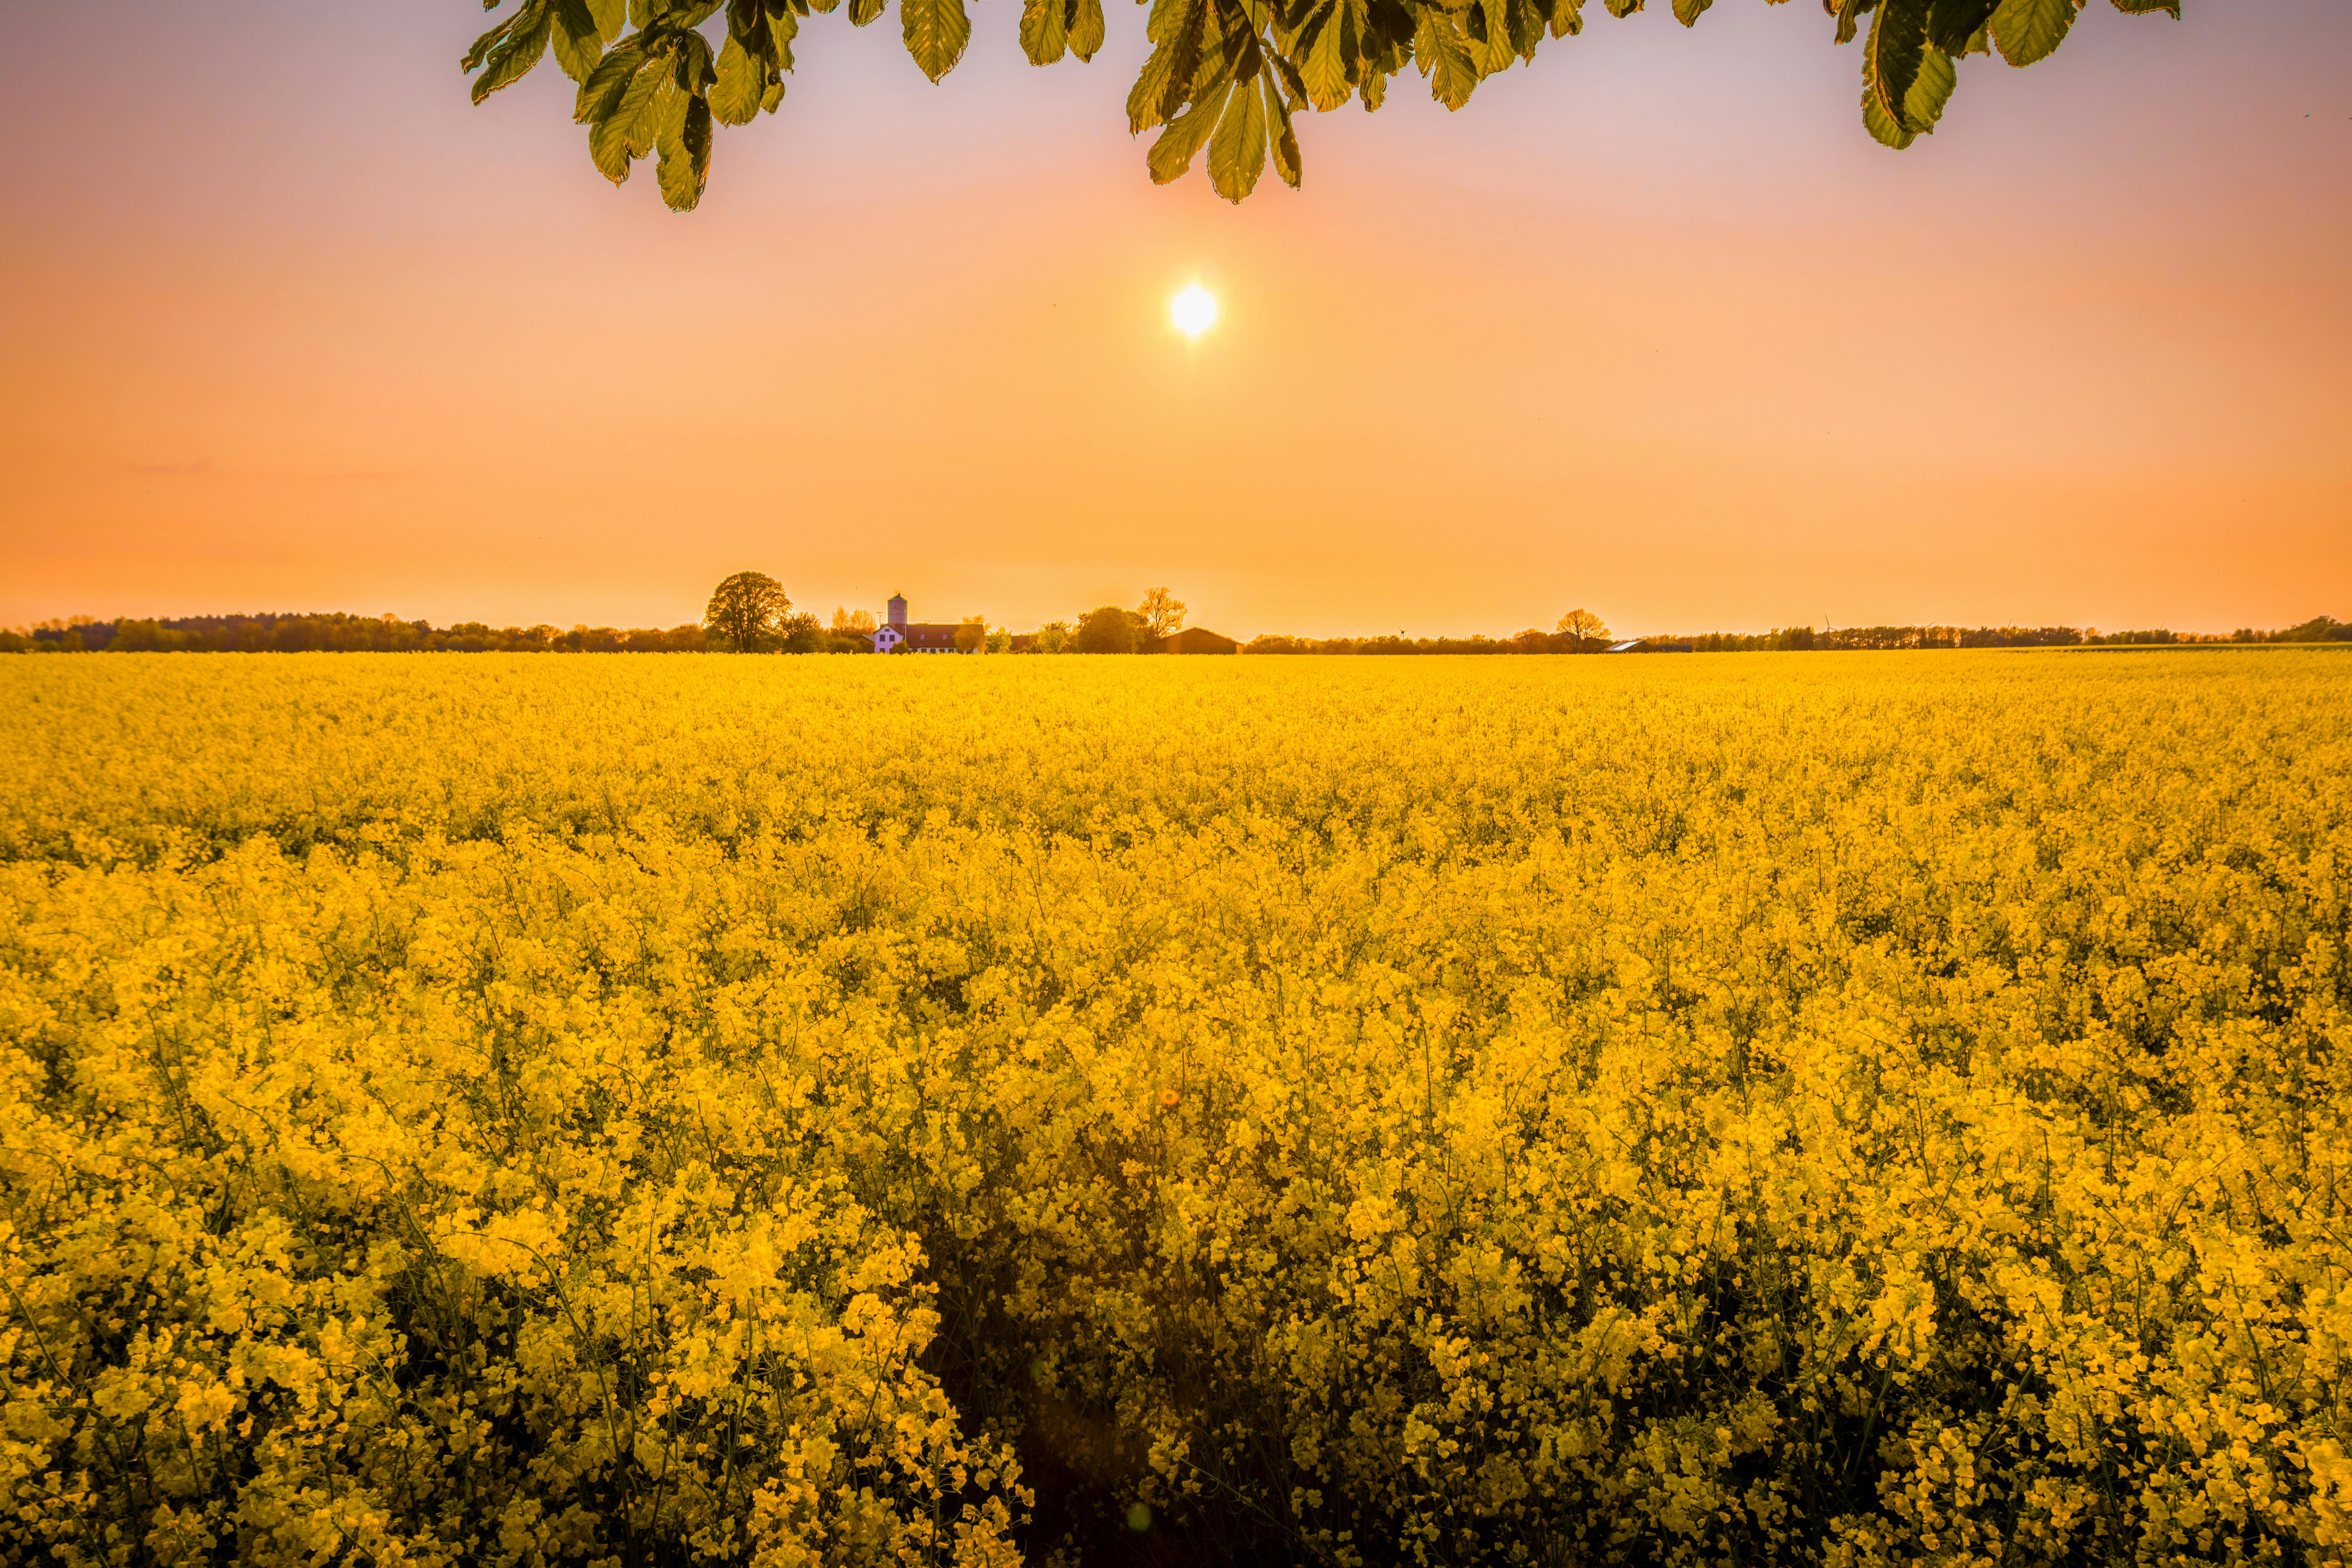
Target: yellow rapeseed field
<point>1855,1109</point>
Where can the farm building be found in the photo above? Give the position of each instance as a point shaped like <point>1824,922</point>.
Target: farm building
<point>897,632</point>
<point>1195,639</point>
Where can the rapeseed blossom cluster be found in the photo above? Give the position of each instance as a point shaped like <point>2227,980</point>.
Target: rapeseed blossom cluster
<point>890,1111</point>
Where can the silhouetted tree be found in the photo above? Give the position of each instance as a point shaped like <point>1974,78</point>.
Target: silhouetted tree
<point>803,633</point>
<point>746,610</point>
<point>1584,626</point>
<point>1107,628</point>
<point>1054,637</point>
<point>2319,628</point>
<point>1160,613</point>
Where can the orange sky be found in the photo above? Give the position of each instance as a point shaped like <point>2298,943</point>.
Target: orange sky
<point>1653,326</point>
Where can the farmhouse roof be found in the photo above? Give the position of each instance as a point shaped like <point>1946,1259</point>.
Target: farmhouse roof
<point>1195,639</point>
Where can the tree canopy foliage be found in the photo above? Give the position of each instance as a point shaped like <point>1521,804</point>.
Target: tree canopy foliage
<point>1159,614</point>
<point>1108,629</point>
<point>746,612</point>
<point>1224,75</point>
<point>1583,627</point>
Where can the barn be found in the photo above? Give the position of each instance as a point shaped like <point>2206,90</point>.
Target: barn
<point>1195,639</point>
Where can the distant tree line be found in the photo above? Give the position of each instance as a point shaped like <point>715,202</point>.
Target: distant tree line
<point>335,634</point>
<point>2319,628</point>
<point>1107,628</point>
<point>1800,640</point>
<point>1395,642</point>
<point>1578,631</point>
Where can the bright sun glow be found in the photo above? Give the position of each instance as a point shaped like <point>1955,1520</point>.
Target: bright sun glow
<point>1194,311</point>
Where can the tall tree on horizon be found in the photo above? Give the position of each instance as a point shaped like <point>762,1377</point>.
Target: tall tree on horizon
<point>746,610</point>
<point>1160,613</point>
<point>1584,626</point>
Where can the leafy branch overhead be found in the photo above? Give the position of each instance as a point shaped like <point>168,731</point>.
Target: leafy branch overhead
<point>1223,75</point>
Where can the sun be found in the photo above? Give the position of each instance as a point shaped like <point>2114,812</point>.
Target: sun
<point>1194,311</point>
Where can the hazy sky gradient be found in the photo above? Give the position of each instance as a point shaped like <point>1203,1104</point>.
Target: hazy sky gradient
<point>1652,327</point>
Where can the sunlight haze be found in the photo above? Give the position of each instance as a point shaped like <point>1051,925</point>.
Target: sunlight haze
<point>1653,326</point>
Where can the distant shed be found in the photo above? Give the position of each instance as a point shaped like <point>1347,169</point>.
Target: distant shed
<point>1649,645</point>
<point>1195,639</point>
